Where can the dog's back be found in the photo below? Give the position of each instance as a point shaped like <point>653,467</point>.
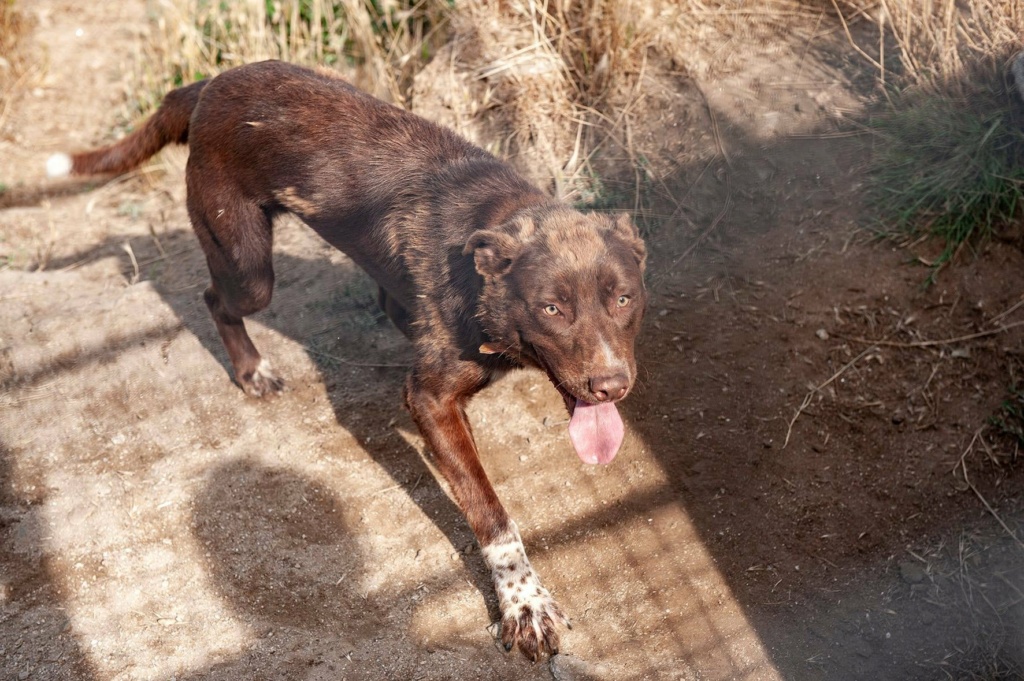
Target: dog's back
<point>363,173</point>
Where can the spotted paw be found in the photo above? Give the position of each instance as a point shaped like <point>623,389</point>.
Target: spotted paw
<point>262,381</point>
<point>530,620</point>
<point>530,617</point>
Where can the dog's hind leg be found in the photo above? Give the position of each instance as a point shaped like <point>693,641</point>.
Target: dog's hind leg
<point>237,241</point>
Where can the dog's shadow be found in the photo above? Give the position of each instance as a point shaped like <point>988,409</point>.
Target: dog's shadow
<point>306,561</point>
<point>31,195</point>
<point>327,305</point>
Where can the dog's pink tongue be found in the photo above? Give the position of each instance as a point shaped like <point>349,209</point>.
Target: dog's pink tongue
<point>596,431</point>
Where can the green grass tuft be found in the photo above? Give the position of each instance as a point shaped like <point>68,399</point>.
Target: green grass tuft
<point>1009,420</point>
<point>950,166</point>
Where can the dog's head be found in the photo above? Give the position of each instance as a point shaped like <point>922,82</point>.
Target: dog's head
<point>565,291</point>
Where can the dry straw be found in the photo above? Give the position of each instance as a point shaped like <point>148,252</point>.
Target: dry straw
<point>379,43</point>
<point>937,40</point>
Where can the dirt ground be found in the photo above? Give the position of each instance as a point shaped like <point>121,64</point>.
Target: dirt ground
<point>157,524</point>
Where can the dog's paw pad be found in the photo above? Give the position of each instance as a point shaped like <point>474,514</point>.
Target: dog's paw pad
<point>262,381</point>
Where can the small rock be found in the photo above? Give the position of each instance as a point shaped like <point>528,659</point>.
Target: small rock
<point>822,334</point>
<point>912,572</point>
<point>523,458</point>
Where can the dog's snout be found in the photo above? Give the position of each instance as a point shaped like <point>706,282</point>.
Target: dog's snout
<point>607,388</point>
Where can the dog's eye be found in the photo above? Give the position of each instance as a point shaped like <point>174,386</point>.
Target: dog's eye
<point>551,310</point>
<point>623,301</point>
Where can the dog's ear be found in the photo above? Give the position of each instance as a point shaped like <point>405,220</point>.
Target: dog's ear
<point>493,251</point>
<point>625,229</point>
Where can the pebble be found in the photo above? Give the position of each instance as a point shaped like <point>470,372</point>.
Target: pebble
<point>912,572</point>
<point>822,334</point>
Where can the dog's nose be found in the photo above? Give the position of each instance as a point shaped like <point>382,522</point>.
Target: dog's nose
<point>607,388</point>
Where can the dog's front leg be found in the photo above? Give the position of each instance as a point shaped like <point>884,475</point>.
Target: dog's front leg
<point>530,617</point>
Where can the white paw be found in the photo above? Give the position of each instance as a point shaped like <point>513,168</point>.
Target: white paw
<point>262,381</point>
<point>530,617</point>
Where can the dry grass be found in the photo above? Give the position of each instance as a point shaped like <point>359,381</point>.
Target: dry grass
<point>936,40</point>
<point>556,74</point>
<point>949,141</point>
<point>380,44</point>
<point>12,26</point>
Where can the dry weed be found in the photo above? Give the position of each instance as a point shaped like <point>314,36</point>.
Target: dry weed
<point>380,44</point>
<point>12,26</point>
<point>550,70</point>
<point>937,40</point>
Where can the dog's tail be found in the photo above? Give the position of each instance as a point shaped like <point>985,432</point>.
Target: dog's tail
<point>168,125</point>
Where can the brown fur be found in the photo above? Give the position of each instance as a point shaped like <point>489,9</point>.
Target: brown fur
<point>468,255</point>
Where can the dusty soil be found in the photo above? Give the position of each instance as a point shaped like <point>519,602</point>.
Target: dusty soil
<point>157,524</point>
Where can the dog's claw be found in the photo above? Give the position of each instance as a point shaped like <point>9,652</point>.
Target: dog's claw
<point>262,381</point>
<point>534,630</point>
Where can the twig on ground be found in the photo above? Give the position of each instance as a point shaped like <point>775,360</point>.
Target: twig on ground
<point>107,187</point>
<point>1007,311</point>
<point>127,246</point>
<point>807,399</point>
<point>932,343</point>
<point>962,463</point>
<point>854,45</point>
<point>703,235</point>
<point>728,189</point>
<point>9,95</point>
<point>165,256</point>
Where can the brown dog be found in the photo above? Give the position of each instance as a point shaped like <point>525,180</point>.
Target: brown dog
<point>482,271</point>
